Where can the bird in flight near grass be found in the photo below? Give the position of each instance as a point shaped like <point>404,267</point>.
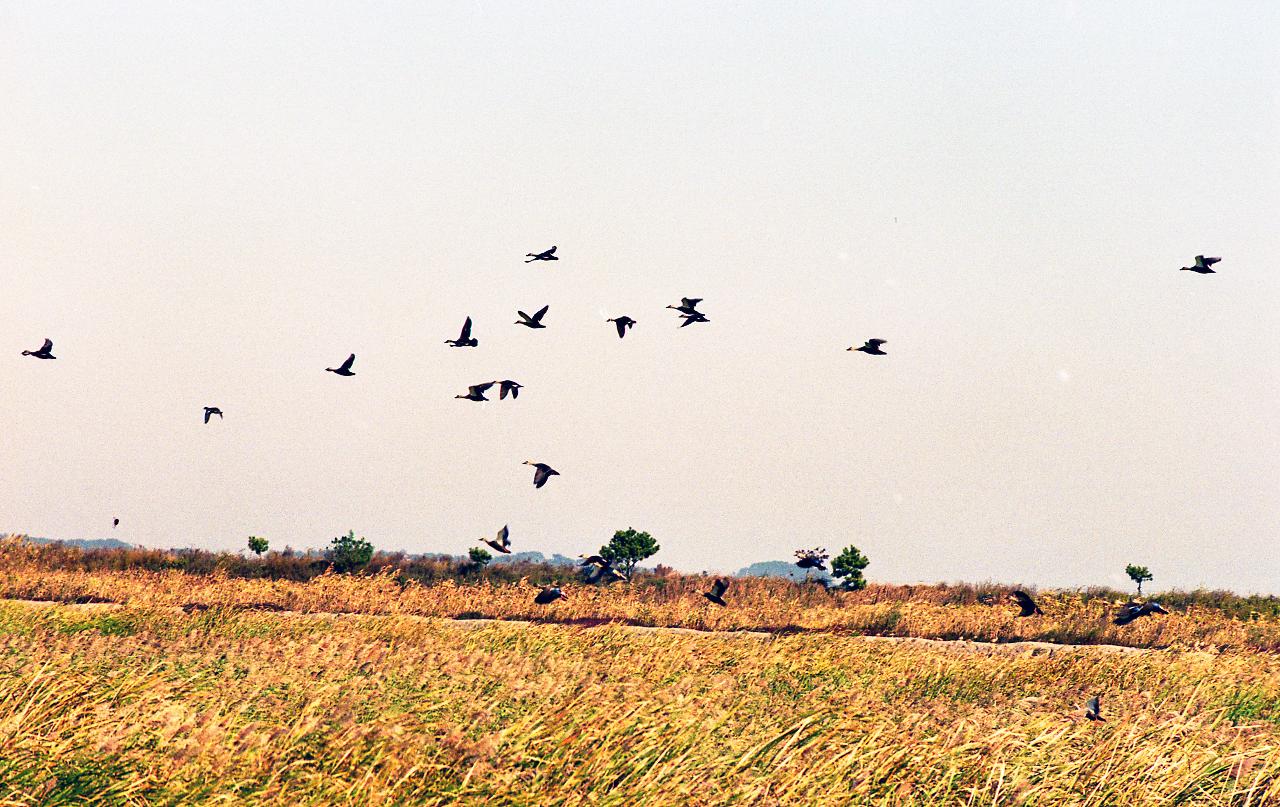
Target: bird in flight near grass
<point>1202,266</point>
<point>604,571</point>
<point>45,351</point>
<point>549,595</point>
<point>716,594</point>
<point>536,320</point>
<point>501,542</point>
<point>210,411</point>
<point>872,347</point>
<point>1133,610</point>
<point>344,368</point>
<point>476,392</point>
<point>622,324</point>
<point>541,472</point>
<point>1093,709</point>
<point>1026,603</point>
<point>464,339</point>
<point>549,255</point>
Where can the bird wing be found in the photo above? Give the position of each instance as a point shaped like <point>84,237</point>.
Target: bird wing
<point>537,317</point>
<point>466,331</point>
<point>207,414</point>
<point>621,326</point>
<point>346,365</point>
<point>1210,261</point>
<point>690,302</point>
<point>551,251</point>
<point>523,315</point>
<point>540,476</point>
<point>719,587</point>
<point>1094,705</point>
<point>876,342</point>
<point>503,536</point>
<point>1027,604</point>
<point>46,347</point>
<point>594,559</point>
<point>503,389</point>
<point>481,388</point>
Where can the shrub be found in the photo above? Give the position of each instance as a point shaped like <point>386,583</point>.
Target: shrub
<point>849,565</point>
<point>627,548</point>
<point>348,553</point>
<point>257,545</point>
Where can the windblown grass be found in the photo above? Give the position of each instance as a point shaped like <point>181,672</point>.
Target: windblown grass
<point>137,705</point>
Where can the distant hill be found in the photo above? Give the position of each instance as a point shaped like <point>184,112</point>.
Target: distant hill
<point>534,557</point>
<point>82,543</point>
<point>777,568</point>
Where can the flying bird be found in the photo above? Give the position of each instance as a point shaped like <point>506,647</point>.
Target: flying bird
<point>501,543</point>
<point>210,411</point>
<point>45,351</point>
<point>115,522</point>
<point>541,472</point>
<point>716,594</point>
<point>1026,603</point>
<point>549,255</point>
<point>509,386</point>
<point>1202,266</point>
<point>1132,610</point>
<point>696,316</point>
<point>688,305</point>
<point>476,392</point>
<point>604,571</point>
<point>1093,709</point>
<point>344,368</point>
<point>622,324</point>
<point>548,595</point>
<point>872,347</point>
<point>535,321</point>
<point>464,339</point>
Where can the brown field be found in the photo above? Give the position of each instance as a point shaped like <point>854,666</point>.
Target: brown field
<point>180,688</point>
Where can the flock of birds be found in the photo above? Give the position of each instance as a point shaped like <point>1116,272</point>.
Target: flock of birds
<point>600,570</point>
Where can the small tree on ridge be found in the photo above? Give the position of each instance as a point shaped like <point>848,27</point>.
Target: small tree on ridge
<point>1139,575</point>
<point>627,548</point>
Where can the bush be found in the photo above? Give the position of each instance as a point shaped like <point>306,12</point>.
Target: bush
<point>1139,575</point>
<point>627,548</point>
<point>348,553</point>
<point>849,565</point>
<point>479,558</point>
<point>257,545</point>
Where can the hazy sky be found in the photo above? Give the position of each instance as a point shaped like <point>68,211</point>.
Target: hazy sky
<point>210,206</point>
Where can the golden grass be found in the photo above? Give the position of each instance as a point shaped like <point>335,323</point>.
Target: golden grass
<point>142,704</point>
<point>757,604</point>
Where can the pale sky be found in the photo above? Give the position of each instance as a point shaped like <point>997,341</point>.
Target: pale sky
<point>209,207</point>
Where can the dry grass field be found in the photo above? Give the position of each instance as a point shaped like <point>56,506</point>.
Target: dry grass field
<point>132,687</point>
<point>104,705</point>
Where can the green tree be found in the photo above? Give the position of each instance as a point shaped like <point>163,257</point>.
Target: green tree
<point>479,558</point>
<point>348,553</point>
<point>849,565</point>
<point>1139,575</point>
<point>627,548</point>
<point>257,545</point>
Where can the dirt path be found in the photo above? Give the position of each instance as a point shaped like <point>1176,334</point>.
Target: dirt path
<point>1027,648</point>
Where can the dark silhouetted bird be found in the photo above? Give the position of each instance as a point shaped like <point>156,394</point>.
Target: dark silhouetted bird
<point>541,472</point>
<point>689,319</point>
<point>115,522</point>
<point>549,255</point>
<point>509,386</point>
<point>1133,610</point>
<point>688,305</point>
<point>344,368</point>
<point>716,594</point>
<point>464,339</point>
<point>476,392</point>
<point>872,347</point>
<point>502,542</point>
<point>210,411</point>
<point>604,571</point>
<point>1027,604</point>
<point>535,321</point>
<point>622,324</point>
<point>1202,266</point>
<point>1093,709</point>
<point>548,595</point>
<point>45,351</point>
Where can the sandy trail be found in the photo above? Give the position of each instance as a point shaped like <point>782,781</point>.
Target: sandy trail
<point>1027,648</point>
